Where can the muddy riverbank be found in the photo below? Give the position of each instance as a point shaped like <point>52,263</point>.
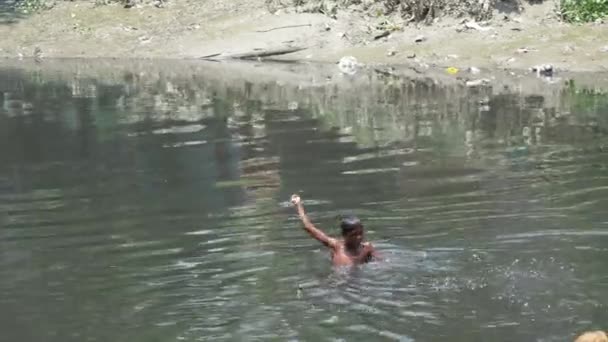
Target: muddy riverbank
<point>512,40</point>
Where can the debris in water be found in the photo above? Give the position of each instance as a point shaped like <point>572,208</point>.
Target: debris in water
<point>331,320</point>
<point>477,83</point>
<point>293,105</point>
<point>452,70</point>
<point>348,65</point>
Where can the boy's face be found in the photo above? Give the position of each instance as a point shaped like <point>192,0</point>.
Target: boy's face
<point>354,238</point>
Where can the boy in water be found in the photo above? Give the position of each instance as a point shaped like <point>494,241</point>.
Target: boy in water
<point>349,251</point>
<point>592,336</point>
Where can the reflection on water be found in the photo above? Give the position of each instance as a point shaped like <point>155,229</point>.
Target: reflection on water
<point>152,206</point>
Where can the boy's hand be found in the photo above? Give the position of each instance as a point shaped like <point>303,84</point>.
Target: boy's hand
<point>295,200</point>
<point>369,250</point>
<point>366,248</point>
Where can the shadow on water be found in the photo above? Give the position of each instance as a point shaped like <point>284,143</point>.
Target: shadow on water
<point>149,202</point>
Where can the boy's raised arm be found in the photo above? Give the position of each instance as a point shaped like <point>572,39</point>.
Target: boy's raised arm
<point>309,227</point>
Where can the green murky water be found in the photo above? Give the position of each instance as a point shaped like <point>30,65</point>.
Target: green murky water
<point>151,206</point>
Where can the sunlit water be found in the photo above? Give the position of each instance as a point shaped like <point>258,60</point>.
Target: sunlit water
<point>137,209</point>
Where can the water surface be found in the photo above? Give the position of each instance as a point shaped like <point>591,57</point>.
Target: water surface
<point>153,207</point>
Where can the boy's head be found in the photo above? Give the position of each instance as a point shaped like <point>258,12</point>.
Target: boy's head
<point>592,336</point>
<point>352,230</point>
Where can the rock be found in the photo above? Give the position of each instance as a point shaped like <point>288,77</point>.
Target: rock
<point>144,39</point>
<point>391,52</point>
<point>191,27</point>
<point>568,49</point>
<point>543,70</point>
<point>523,50</point>
<point>604,49</point>
<point>411,55</point>
<point>474,70</point>
<point>348,65</point>
<point>548,70</point>
<point>421,67</point>
<point>452,56</point>
<point>420,39</point>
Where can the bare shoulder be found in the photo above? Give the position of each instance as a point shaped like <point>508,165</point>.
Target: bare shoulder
<point>334,243</point>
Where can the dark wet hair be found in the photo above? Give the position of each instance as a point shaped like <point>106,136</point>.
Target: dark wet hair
<point>350,223</point>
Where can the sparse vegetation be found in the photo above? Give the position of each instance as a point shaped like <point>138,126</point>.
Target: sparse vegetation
<point>412,10</point>
<point>578,11</point>
<point>575,11</point>
<point>31,6</point>
<point>426,11</point>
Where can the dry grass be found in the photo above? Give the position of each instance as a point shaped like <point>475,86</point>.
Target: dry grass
<point>414,10</point>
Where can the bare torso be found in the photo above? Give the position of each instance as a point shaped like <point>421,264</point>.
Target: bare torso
<point>340,256</point>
